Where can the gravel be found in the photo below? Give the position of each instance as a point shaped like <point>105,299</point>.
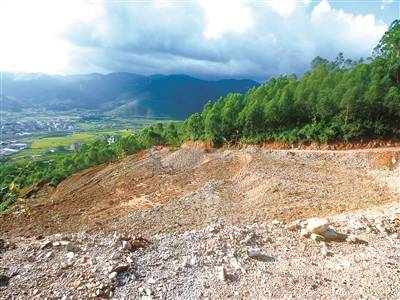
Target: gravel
<point>212,262</point>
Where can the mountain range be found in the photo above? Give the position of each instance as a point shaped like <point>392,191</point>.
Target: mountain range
<point>120,94</point>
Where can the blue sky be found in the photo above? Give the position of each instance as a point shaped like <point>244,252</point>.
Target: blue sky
<point>205,38</point>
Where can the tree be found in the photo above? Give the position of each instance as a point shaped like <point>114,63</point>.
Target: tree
<point>212,125</point>
<point>194,127</point>
<point>389,49</point>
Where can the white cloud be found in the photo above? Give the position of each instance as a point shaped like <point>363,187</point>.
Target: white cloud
<point>225,16</point>
<point>283,7</point>
<point>344,29</point>
<point>225,38</point>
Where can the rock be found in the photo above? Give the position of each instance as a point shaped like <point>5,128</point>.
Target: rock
<point>215,228</point>
<point>112,275</point>
<point>149,292</point>
<point>64,243</point>
<point>4,280</point>
<point>317,226</point>
<point>120,268</point>
<point>45,245</point>
<point>276,223</point>
<point>127,245</point>
<point>325,251</point>
<point>304,233</point>
<point>222,274</point>
<point>332,235</point>
<point>294,226</point>
<point>380,227</point>
<point>115,256</point>
<point>235,264</point>
<point>317,237</point>
<point>70,255</point>
<point>352,239</point>
<point>254,252</point>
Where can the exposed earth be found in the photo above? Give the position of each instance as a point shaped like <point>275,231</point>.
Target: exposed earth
<point>199,212</point>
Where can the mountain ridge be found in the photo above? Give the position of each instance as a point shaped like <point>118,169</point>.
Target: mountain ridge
<point>176,96</point>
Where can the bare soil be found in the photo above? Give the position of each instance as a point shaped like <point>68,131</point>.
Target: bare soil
<point>164,190</point>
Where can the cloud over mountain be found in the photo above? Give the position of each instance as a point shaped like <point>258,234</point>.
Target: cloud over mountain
<point>255,39</point>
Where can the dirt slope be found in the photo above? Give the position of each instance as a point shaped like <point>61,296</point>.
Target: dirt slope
<point>164,191</point>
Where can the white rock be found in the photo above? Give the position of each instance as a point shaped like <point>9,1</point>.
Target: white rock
<point>222,273</point>
<point>318,226</point>
<point>152,281</point>
<point>112,275</point>
<point>70,255</point>
<point>149,292</point>
<point>126,245</point>
<point>254,252</point>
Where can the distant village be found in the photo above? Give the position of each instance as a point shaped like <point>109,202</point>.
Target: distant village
<point>26,128</point>
<point>14,130</point>
<point>11,147</point>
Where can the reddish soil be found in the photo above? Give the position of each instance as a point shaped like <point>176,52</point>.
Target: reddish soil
<point>252,185</point>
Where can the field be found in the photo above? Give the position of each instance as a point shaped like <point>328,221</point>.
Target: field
<point>65,141</point>
<point>87,127</point>
<point>42,145</point>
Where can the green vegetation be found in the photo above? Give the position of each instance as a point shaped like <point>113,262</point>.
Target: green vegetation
<point>338,100</point>
<point>52,168</point>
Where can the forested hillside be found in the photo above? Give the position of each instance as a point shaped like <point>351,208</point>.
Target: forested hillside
<point>338,100</point>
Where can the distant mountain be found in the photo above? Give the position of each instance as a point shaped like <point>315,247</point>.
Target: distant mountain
<point>12,105</point>
<point>124,94</point>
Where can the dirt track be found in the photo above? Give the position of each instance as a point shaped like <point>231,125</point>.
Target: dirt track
<point>164,191</point>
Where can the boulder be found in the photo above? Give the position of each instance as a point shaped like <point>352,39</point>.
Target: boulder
<point>317,225</point>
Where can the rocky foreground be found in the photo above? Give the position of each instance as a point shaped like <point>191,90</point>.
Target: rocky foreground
<point>348,256</point>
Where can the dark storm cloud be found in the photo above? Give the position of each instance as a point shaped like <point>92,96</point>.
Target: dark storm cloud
<point>192,38</point>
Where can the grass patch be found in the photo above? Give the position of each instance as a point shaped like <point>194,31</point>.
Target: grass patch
<point>51,142</point>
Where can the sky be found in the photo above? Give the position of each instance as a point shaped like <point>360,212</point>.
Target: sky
<point>212,39</point>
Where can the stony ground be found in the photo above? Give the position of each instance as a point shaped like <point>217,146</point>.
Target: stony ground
<point>196,225</point>
<point>211,263</point>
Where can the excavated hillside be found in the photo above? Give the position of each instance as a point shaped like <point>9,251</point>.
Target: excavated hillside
<point>178,224</point>
<point>154,191</point>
